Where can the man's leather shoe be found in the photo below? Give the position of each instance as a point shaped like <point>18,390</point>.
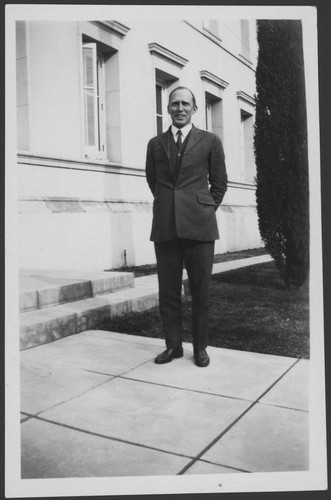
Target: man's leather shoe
<point>201,357</point>
<point>168,355</point>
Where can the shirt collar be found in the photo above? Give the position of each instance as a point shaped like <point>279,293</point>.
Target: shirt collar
<point>185,130</point>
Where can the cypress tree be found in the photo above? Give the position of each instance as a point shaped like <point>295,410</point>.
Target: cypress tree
<point>281,153</point>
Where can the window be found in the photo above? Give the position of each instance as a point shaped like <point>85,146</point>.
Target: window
<point>247,146</point>
<point>22,87</point>
<point>214,114</point>
<point>164,84</point>
<point>208,114</point>
<point>244,35</point>
<point>168,66</point>
<point>211,28</point>
<point>212,25</point>
<point>94,105</point>
<point>101,92</point>
<point>161,107</point>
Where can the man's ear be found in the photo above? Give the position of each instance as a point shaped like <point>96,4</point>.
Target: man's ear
<point>195,109</point>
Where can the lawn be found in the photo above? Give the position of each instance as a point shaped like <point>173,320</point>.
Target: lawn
<point>221,257</point>
<point>251,310</point>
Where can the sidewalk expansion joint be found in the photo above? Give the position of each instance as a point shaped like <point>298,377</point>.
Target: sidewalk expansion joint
<point>226,466</point>
<point>285,407</point>
<point>133,339</point>
<point>185,389</point>
<point>26,417</point>
<point>120,375</point>
<point>236,420</point>
<point>36,415</point>
<point>112,375</point>
<point>110,438</point>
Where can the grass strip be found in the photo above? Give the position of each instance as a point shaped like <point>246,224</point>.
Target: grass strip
<point>148,269</point>
<point>250,310</point>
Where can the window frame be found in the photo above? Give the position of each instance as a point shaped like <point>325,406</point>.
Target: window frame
<point>163,115</point>
<point>214,113</point>
<point>244,116</point>
<point>101,103</point>
<point>208,114</point>
<point>245,49</point>
<point>97,151</point>
<point>211,28</point>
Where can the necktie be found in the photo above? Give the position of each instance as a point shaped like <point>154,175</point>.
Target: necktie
<point>179,140</point>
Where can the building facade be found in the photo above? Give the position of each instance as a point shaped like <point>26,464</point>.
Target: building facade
<point>89,97</point>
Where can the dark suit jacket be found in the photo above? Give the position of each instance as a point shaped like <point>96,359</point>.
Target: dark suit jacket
<point>186,207</point>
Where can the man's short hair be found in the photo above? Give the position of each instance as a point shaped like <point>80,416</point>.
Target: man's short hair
<point>184,88</point>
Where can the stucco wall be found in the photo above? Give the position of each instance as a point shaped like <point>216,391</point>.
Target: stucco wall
<point>80,213</point>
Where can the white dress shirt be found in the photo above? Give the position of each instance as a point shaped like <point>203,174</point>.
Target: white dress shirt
<point>185,130</point>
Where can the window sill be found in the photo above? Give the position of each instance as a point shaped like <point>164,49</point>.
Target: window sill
<point>212,36</point>
<point>246,59</point>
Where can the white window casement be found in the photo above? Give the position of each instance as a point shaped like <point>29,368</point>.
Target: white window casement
<point>100,45</point>
<point>161,97</point>
<point>164,84</point>
<point>94,102</point>
<point>246,116</point>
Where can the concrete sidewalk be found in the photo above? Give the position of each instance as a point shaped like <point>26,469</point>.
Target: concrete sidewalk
<point>95,404</point>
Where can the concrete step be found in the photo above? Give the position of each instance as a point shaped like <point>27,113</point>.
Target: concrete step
<point>51,323</point>
<point>40,289</point>
<point>57,304</point>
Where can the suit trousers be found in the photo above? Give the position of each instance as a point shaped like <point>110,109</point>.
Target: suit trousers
<point>198,257</point>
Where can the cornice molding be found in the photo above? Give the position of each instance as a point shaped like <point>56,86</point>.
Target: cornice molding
<point>159,51</point>
<point>74,199</point>
<point>213,79</point>
<point>218,42</point>
<point>86,165</point>
<point>245,97</point>
<point>113,27</point>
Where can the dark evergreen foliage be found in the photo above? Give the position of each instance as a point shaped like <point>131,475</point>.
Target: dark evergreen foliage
<point>281,148</point>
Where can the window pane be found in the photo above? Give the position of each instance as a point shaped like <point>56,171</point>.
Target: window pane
<point>213,26</point>
<point>244,25</point>
<point>207,110</point>
<point>158,100</point>
<point>89,118</point>
<point>216,118</point>
<point>88,66</point>
<point>208,113</point>
<point>159,125</point>
<point>248,146</point>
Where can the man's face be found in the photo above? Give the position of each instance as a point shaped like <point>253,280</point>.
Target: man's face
<point>181,108</point>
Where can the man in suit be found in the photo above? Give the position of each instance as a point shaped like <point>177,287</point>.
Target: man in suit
<point>185,170</point>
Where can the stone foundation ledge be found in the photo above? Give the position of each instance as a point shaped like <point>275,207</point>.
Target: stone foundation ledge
<point>47,325</point>
<point>41,289</point>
